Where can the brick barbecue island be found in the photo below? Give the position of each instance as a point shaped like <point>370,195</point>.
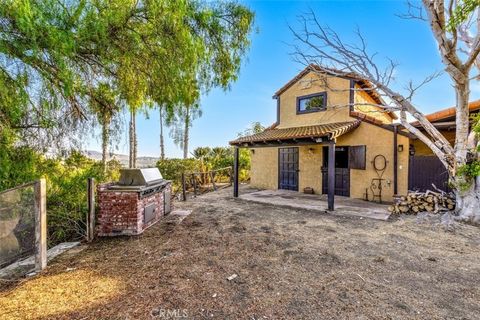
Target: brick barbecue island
<point>140,199</point>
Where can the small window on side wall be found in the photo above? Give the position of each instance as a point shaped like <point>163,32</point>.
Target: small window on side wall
<point>312,103</point>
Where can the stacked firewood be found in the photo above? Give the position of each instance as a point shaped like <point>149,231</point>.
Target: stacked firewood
<point>429,201</point>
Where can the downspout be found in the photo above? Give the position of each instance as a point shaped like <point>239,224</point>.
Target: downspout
<point>351,101</point>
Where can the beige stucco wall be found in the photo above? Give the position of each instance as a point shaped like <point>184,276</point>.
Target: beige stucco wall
<point>378,141</point>
<point>421,149</point>
<point>310,163</point>
<point>264,168</point>
<point>337,101</point>
<point>364,103</point>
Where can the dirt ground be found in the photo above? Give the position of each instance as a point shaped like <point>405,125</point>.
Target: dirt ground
<point>291,264</point>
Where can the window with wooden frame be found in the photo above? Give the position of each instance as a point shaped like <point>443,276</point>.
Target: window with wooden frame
<point>312,103</point>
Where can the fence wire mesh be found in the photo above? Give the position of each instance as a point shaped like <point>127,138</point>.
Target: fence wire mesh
<point>17,224</point>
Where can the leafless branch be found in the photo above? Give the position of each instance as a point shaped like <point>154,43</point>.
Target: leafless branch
<point>412,88</point>
<point>321,46</point>
<point>414,11</point>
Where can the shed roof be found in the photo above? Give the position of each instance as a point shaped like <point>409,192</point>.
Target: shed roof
<point>449,113</point>
<point>329,130</point>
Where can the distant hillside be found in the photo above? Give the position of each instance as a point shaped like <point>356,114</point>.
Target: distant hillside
<point>142,162</point>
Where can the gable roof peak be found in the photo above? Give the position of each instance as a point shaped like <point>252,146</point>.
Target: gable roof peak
<point>368,87</point>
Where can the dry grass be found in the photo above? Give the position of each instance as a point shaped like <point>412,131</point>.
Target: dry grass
<point>290,265</point>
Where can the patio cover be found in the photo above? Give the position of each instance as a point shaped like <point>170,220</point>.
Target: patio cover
<point>310,134</point>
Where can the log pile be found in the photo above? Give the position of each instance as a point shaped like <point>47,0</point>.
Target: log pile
<point>429,201</point>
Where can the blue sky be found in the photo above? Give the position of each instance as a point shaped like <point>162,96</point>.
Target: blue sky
<point>268,66</point>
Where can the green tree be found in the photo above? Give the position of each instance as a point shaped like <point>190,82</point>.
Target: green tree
<point>161,113</point>
<point>180,123</point>
<point>255,127</point>
<point>55,55</point>
<point>460,14</point>
<point>106,109</point>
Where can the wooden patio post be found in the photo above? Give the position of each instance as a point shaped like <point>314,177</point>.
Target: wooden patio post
<point>395,159</point>
<point>194,184</point>
<point>235,172</point>
<point>40,225</point>
<point>331,175</point>
<point>184,188</point>
<point>91,209</point>
<point>212,177</point>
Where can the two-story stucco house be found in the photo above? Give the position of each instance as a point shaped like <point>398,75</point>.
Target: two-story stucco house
<point>321,109</point>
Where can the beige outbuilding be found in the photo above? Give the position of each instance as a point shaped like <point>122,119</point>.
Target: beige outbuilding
<point>328,116</point>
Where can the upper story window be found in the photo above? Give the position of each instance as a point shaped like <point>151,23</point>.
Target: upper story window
<point>312,103</point>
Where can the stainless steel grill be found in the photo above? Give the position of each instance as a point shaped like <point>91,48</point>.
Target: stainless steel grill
<point>137,201</point>
<point>145,181</point>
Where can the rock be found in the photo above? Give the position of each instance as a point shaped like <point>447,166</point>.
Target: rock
<point>233,276</point>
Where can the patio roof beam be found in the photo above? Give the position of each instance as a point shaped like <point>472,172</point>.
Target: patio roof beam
<point>281,143</point>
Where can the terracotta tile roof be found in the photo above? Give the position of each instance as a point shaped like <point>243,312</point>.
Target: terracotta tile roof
<point>365,117</point>
<point>330,130</point>
<point>448,113</point>
<point>372,120</point>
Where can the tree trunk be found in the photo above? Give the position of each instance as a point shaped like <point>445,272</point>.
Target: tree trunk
<point>132,141</point>
<point>186,133</point>
<point>468,203</point>
<point>162,142</point>
<point>135,140</point>
<point>462,121</point>
<point>105,139</point>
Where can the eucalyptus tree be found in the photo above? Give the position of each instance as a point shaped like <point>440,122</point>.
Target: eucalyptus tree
<point>455,27</point>
<point>180,123</point>
<point>177,50</point>
<point>55,54</point>
<point>106,108</point>
<point>161,113</point>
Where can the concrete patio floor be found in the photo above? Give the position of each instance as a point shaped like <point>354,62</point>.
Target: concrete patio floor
<point>296,200</point>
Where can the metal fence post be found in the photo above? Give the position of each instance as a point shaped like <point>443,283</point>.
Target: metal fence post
<point>91,209</point>
<point>40,225</point>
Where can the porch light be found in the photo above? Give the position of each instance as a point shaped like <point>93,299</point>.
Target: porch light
<point>400,148</point>
<point>252,150</point>
<point>311,150</point>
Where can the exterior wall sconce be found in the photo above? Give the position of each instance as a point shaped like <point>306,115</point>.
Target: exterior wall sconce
<point>252,151</point>
<point>311,150</point>
<point>412,150</point>
<point>400,148</point>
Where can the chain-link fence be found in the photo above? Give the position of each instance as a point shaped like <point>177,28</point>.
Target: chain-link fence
<point>17,224</point>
